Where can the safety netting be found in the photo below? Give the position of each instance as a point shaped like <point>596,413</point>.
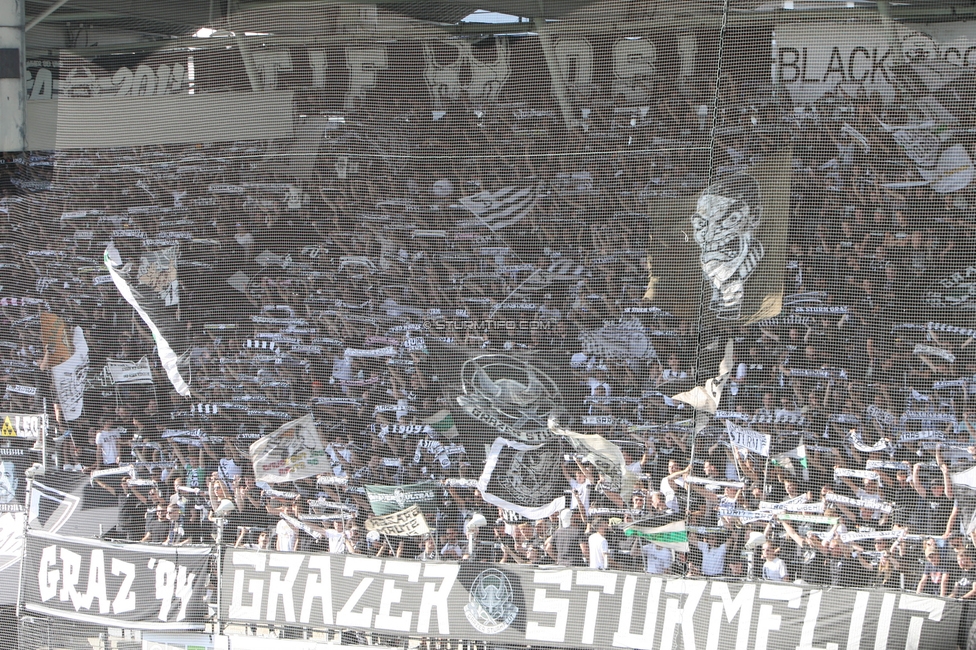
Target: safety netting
<point>645,321</point>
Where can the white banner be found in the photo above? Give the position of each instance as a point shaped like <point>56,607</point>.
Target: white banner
<point>291,452</point>
<point>70,378</point>
<point>749,439</point>
<point>129,372</point>
<point>843,472</point>
<point>408,522</point>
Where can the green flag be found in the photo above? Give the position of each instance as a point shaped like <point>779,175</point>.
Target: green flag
<point>384,499</point>
<point>443,423</point>
<point>672,535</point>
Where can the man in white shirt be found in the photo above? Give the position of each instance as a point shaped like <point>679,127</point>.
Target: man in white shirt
<point>657,558</point>
<point>286,535</point>
<point>597,545</point>
<point>107,440</point>
<point>713,556</point>
<point>338,537</point>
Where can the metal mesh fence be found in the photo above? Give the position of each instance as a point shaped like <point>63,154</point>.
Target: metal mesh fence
<point>693,265</point>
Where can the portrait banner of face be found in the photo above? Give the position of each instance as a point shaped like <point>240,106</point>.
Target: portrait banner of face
<point>725,248</point>
<point>11,481</point>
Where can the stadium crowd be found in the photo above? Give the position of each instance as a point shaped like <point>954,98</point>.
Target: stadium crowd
<point>285,286</point>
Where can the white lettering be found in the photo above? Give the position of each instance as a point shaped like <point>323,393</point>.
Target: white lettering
<point>675,615</point>
<point>125,601</point>
<point>255,587</point>
<point>96,583</point>
<point>47,578</point>
<point>768,621</point>
<point>165,586</point>
<point>183,590</point>
<point>643,640</point>
<point>933,607</point>
<point>391,595</point>
<point>71,565</point>
<point>346,615</point>
<point>436,598</point>
<point>317,586</point>
<point>558,606</point>
<point>608,582</point>
<point>741,606</point>
<point>884,622</point>
<point>857,619</point>
<point>278,588</point>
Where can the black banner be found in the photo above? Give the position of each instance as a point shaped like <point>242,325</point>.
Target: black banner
<point>133,586</point>
<point>569,607</point>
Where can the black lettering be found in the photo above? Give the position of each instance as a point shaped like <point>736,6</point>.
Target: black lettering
<point>965,57</point>
<point>950,52</point>
<point>879,64</point>
<point>839,67</point>
<point>804,77</point>
<point>791,64</point>
<point>863,51</point>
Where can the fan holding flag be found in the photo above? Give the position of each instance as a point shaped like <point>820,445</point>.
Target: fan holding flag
<point>663,536</point>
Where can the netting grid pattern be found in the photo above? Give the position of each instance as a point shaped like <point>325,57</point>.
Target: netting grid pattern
<point>567,289</point>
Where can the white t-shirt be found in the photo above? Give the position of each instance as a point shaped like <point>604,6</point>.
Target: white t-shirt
<point>287,539</point>
<point>658,558</point>
<point>713,559</point>
<point>774,569</point>
<point>338,542</point>
<point>584,490</point>
<point>670,498</point>
<point>108,442</point>
<point>599,550</point>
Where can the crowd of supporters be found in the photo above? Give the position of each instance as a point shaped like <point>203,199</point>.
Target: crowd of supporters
<point>282,282</point>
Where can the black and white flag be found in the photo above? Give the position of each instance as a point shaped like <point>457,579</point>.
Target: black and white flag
<point>626,339</point>
<point>170,341</point>
<point>524,478</point>
<point>501,208</point>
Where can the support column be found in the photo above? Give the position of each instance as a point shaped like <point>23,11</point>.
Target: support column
<point>13,99</point>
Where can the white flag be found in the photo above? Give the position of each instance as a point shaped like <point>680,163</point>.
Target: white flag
<point>707,397</point>
<point>71,377</point>
<point>291,452</point>
<point>504,207</point>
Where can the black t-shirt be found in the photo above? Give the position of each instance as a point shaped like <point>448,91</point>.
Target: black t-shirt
<point>158,530</point>
<point>965,581</point>
<point>813,566</point>
<point>132,517</point>
<point>932,514</point>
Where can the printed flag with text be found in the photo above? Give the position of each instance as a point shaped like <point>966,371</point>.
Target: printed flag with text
<point>290,452</point>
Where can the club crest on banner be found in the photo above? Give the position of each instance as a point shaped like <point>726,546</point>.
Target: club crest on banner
<point>509,395</point>
<point>491,606</point>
